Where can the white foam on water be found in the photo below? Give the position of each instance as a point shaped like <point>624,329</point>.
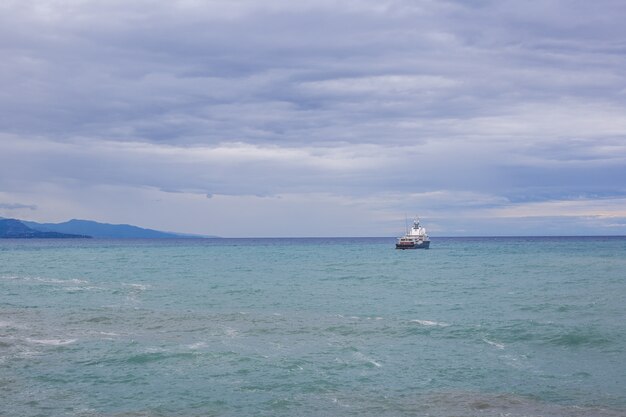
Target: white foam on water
<point>430,323</point>
<point>519,362</point>
<point>497,345</point>
<point>52,342</point>
<point>155,349</point>
<point>28,353</point>
<point>364,358</point>
<point>9,277</point>
<point>90,288</point>
<point>140,287</point>
<point>340,403</point>
<point>60,281</point>
<point>46,280</point>
<point>230,332</point>
<point>108,335</point>
<point>196,345</point>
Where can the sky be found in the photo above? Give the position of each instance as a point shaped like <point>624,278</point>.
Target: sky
<point>247,118</point>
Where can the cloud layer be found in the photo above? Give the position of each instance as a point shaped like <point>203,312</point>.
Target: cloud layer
<point>365,110</point>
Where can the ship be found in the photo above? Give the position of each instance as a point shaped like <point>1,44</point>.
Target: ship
<point>416,238</point>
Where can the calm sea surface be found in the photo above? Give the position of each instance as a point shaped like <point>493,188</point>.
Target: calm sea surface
<point>313,327</point>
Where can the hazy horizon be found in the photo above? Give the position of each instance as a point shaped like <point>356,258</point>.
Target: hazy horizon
<point>202,236</point>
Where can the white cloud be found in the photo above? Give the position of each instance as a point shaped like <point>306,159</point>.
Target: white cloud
<point>387,85</point>
<point>595,208</point>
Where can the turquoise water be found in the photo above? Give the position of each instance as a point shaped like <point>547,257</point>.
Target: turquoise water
<point>313,327</point>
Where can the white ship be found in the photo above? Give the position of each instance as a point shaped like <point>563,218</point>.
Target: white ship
<point>416,238</point>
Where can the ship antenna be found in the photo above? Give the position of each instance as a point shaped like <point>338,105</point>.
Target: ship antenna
<point>406,224</point>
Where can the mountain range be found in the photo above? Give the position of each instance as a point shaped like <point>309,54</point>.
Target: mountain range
<point>14,228</point>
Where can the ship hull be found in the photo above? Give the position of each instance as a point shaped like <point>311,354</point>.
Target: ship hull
<point>414,245</point>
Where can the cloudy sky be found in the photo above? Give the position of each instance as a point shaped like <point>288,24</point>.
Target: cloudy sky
<point>316,117</point>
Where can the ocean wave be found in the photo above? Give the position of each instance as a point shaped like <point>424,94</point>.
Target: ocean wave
<point>80,289</point>
<point>505,404</point>
<point>453,403</point>
<point>230,332</point>
<point>430,323</point>
<point>98,319</point>
<point>495,344</point>
<point>147,357</point>
<point>552,334</point>
<point>197,345</point>
<point>52,342</point>
<point>44,280</point>
<point>9,277</point>
<point>579,338</point>
<point>364,358</point>
<point>62,281</point>
<point>112,334</point>
<point>139,287</point>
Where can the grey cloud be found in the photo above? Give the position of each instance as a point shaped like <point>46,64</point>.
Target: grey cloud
<point>166,75</point>
<point>348,169</point>
<point>520,100</point>
<point>17,206</point>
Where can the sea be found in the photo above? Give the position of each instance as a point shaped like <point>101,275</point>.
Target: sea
<point>313,327</point>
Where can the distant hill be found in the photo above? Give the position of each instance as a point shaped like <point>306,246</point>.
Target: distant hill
<point>15,229</point>
<point>104,230</point>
